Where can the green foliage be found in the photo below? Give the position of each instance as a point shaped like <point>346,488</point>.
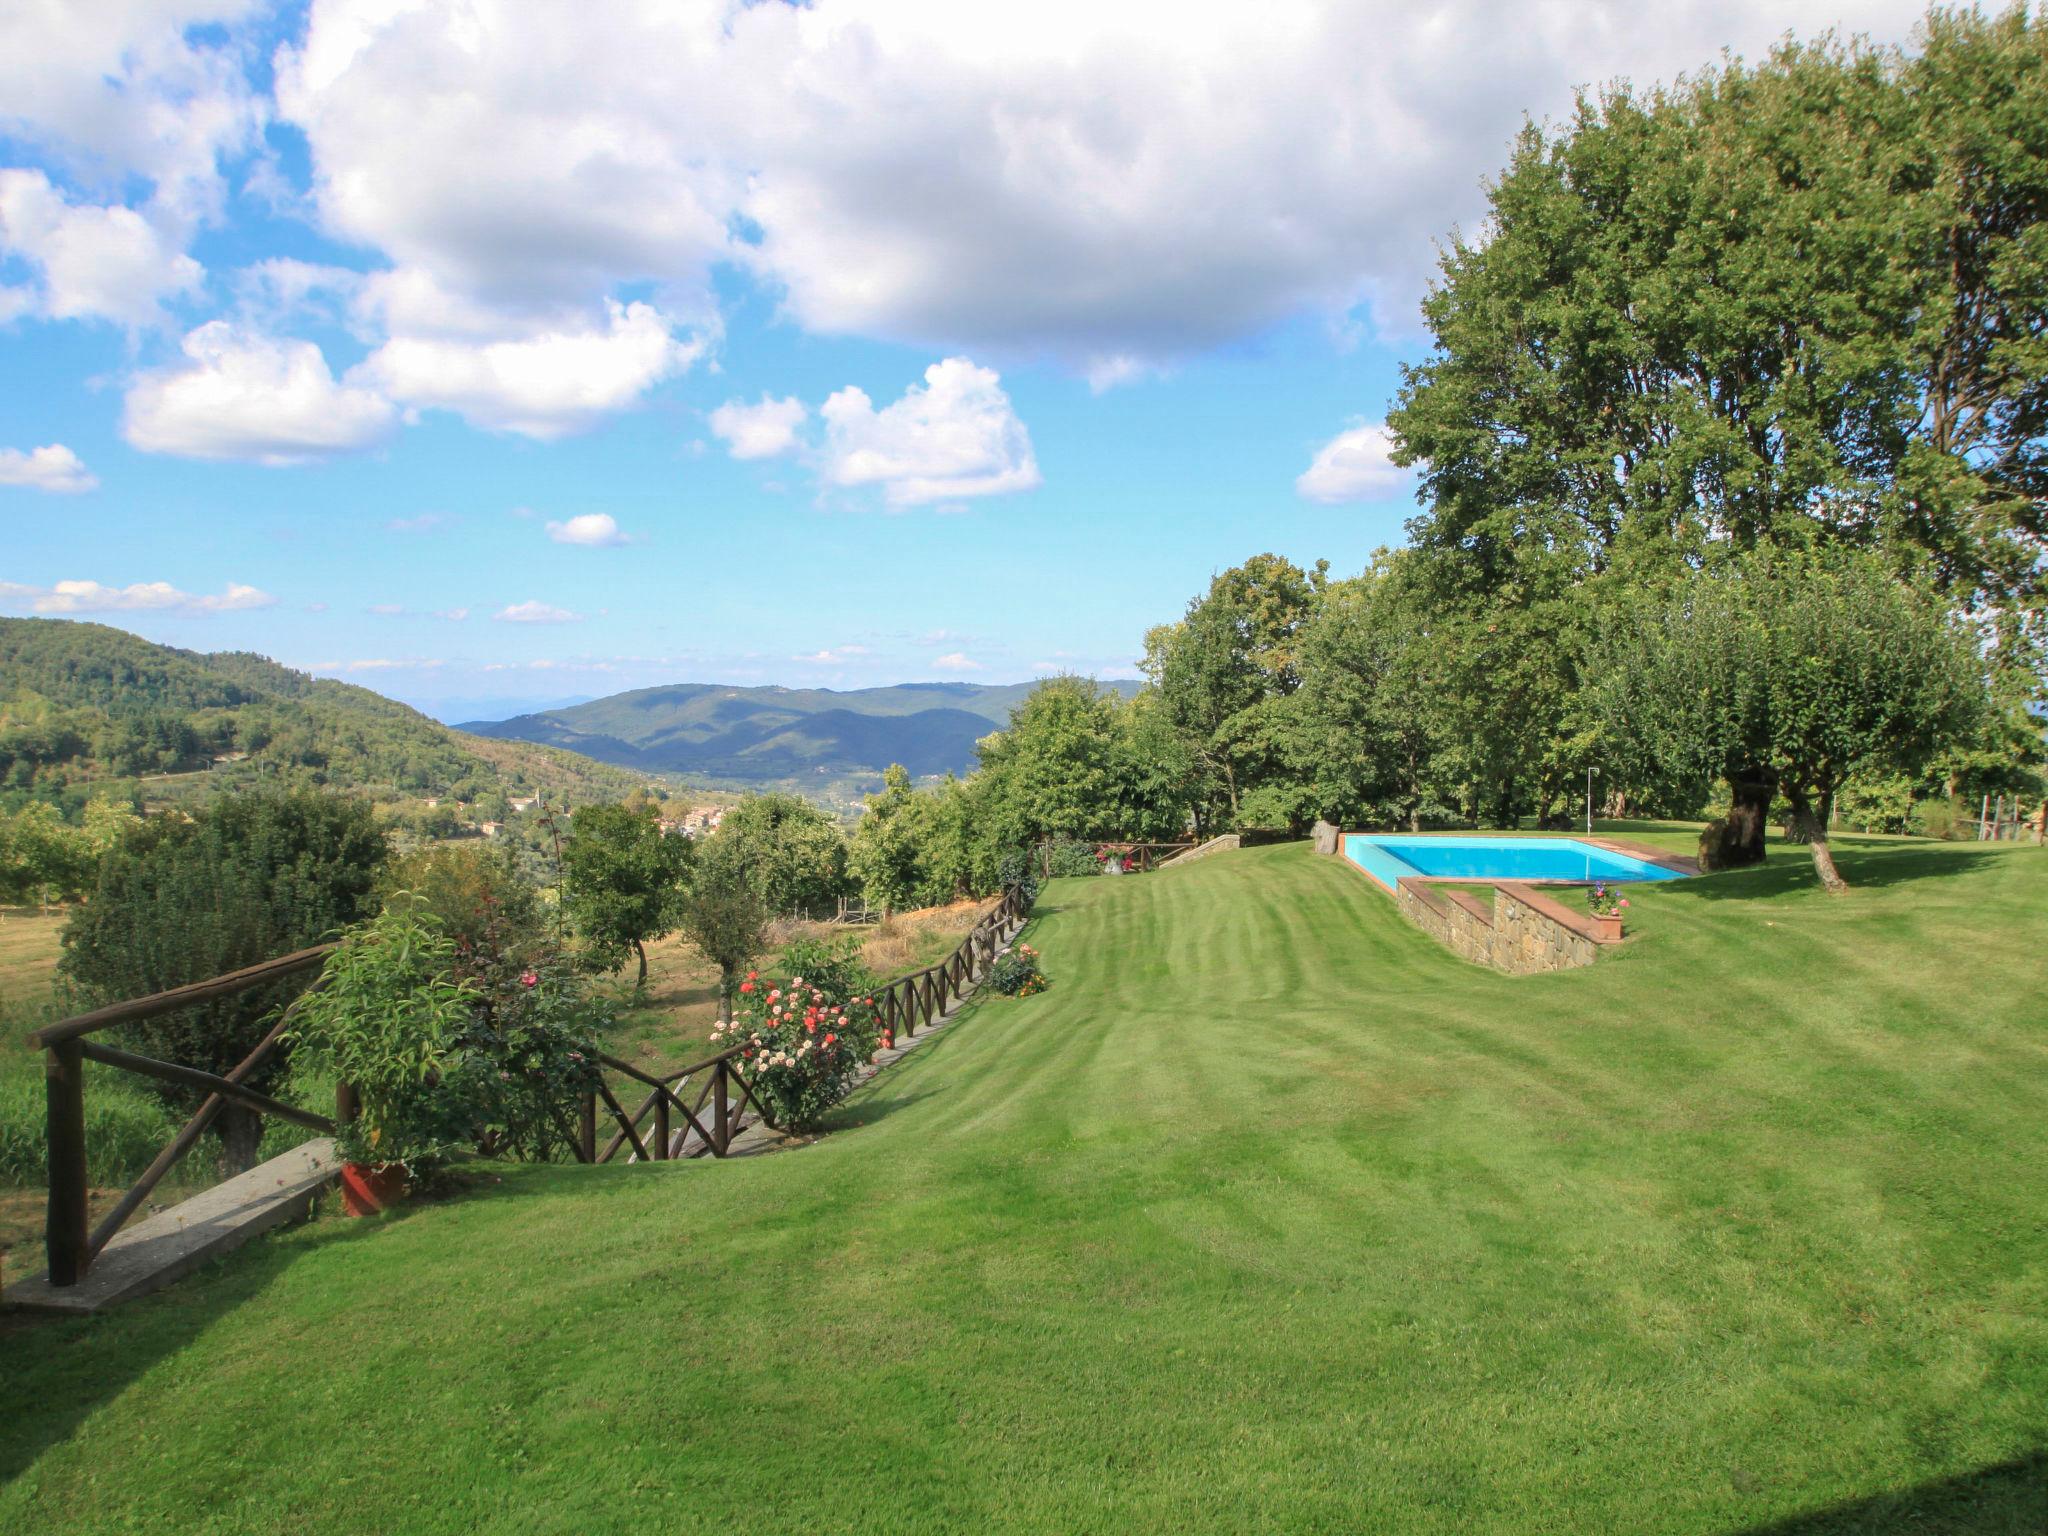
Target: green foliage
<point>387,1019</point>
<point>125,1127</point>
<point>1223,672</point>
<point>250,878</point>
<point>883,854</point>
<point>1016,972</point>
<point>723,912</point>
<point>475,891</point>
<point>622,881</point>
<point>1776,305</point>
<point>1069,857</point>
<point>1799,669</point>
<point>528,1050</point>
<point>796,853</point>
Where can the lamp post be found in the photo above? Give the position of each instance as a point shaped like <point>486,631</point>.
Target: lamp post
<point>1589,800</point>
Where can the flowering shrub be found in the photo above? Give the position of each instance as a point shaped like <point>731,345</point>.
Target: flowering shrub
<point>1606,900</point>
<point>800,1048</point>
<point>1016,973</point>
<point>528,1055</point>
<point>1069,856</point>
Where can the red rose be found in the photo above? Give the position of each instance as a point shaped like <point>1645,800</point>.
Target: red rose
<point>529,980</point>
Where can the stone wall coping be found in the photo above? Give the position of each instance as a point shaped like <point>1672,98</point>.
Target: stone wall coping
<point>1580,923</point>
<point>1483,910</point>
<point>1419,889</point>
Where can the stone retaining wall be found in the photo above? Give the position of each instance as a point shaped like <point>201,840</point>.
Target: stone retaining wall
<point>1215,845</point>
<point>1521,932</point>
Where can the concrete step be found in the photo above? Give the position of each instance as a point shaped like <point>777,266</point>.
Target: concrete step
<point>150,1254</point>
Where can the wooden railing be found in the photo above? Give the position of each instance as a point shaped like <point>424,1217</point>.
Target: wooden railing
<point>654,1133</point>
<point>66,1049</point>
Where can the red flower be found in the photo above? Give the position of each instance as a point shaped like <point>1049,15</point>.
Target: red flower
<point>830,1038</point>
<point>746,986</point>
<point>529,979</point>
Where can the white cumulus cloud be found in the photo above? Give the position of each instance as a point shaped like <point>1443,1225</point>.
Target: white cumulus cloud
<point>91,262</point>
<point>759,431</point>
<point>139,597</point>
<point>1355,465</point>
<point>535,612</point>
<point>244,395</point>
<point>597,529</point>
<point>1115,183</point>
<point>954,436</point>
<point>956,661</point>
<point>53,467</point>
<point>545,385</point>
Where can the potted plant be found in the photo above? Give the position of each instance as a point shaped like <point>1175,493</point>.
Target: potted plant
<point>386,1021</point>
<point>1607,905</point>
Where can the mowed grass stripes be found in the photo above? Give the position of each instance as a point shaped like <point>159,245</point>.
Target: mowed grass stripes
<point>1270,1216</point>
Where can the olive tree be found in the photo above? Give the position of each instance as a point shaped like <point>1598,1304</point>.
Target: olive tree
<point>622,880</point>
<point>1807,667</point>
<point>724,913</point>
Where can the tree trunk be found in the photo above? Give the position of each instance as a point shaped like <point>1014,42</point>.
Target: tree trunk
<point>241,1133</point>
<point>1749,814</point>
<point>725,991</point>
<point>1811,828</point>
<point>641,950</point>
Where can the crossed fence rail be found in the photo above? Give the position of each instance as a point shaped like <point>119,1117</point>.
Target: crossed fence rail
<point>713,1118</point>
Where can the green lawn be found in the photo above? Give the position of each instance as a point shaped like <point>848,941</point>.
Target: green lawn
<point>1270,1216</point>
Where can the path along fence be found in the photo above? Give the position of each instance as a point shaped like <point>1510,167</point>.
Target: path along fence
<point>707,1123</point>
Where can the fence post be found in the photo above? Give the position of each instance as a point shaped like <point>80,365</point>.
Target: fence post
<point>661,1126</point>
<point>721,1129</point>
<point>64,1233</point>
<point>346,1104</point>
<point>586,1128</point>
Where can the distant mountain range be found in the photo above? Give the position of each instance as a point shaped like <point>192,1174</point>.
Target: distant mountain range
<point>755,736</point>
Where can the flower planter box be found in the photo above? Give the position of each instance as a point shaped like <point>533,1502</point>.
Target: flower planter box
<point>1607,928</point>
<point>368,1188</point>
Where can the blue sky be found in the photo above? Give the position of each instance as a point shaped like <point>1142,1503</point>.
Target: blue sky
<point>479,355</point>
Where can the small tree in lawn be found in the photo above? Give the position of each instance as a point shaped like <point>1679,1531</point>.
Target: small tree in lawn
<point>723,913</point>
<point>622,881</point>
<point>1814,666</point>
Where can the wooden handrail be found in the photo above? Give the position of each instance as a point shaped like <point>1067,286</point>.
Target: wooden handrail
<point>193,1077</point>
<point>180,997</point>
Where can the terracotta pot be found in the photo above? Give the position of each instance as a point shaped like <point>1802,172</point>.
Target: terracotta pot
<point>367,1188</point>
<point>1607,929</point>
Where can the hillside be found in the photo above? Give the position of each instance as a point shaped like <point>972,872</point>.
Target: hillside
<point>86,705</point>
<point>758,736</point>
<point>1737,1230</point>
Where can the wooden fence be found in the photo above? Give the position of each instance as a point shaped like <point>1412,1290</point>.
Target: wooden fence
<point>716,1116</point>
<point>665,1127</point>
<point>66,1049</point>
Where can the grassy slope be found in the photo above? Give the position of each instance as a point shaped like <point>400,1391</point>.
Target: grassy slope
<point>1270,1216</point>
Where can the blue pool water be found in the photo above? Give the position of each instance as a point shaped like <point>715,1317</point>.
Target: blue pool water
<point>1387,859</point>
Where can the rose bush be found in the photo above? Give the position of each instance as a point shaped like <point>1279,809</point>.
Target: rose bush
<point>801,1048</point>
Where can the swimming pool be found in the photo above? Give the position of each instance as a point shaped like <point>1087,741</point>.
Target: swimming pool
<point>1389,858</point>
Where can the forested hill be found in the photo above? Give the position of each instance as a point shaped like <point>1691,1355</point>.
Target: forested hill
<point>765,735</point>
<point>87,704</point>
